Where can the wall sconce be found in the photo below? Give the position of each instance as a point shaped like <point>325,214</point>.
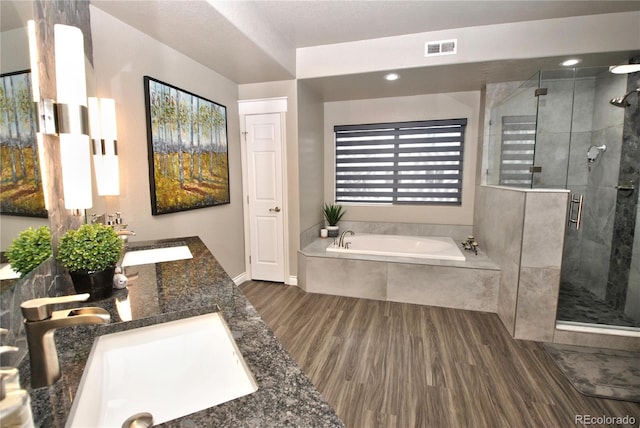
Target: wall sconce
<point>102,121</point>
<point>67,116</point>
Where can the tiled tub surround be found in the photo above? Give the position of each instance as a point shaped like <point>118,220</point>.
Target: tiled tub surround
<point>167,291</point>
<point>471,284</point>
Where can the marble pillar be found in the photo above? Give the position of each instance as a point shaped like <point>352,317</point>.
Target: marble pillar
<point>46,14</point>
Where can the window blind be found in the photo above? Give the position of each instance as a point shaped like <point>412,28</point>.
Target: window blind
<point>416,162</point>
<point>517,155</point>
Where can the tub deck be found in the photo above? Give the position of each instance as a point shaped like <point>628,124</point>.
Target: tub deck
<point>472,284</point>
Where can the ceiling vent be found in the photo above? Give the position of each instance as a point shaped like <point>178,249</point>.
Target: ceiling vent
<point>441,47</point>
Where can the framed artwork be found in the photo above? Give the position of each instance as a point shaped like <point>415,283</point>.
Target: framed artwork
<point>20,181</point>
<point>188,149</point>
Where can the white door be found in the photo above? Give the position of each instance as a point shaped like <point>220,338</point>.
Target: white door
<point>266,218</point>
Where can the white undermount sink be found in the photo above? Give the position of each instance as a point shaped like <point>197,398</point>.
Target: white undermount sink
<point>156,255</point>
<point>169,370</point>
<point>6,272</point>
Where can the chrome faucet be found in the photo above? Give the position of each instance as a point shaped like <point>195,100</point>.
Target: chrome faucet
<point>341,240</point>
<point>125,234</point>
<point>40,323</point>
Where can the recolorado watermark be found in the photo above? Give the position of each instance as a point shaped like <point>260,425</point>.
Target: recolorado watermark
<point>604,420</point>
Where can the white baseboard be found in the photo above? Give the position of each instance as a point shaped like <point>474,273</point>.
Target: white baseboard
<point>243,277</point>
<point>240,278</point>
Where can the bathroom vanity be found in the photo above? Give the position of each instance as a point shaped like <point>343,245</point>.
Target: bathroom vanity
<point>163,292</point>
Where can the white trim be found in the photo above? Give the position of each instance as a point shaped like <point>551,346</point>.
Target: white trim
<point>597,329</point>
<point>245,196</point>
<point>240,278</point>
<point>293,280</point>
<point>262,106</point>
<point>285,190</point>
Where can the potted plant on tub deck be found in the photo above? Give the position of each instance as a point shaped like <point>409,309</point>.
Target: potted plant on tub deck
<point>333,213</point>
<point>91,253</point>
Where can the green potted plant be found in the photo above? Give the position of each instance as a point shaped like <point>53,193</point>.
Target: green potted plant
<point>29,249</point>
<point>332,214</point>
<point>90,254</point>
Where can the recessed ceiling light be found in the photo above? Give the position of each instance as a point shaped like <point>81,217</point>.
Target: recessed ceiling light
<point>570,62</point>
<point>624,68</point>
<point>391,76</point>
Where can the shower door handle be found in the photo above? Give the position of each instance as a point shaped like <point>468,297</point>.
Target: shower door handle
<point>576,200</point>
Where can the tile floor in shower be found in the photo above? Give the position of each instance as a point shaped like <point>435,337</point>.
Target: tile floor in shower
<point>578,304</point>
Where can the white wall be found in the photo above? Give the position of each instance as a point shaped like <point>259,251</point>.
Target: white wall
<point>14,55</point>
<point>311,156</point>
<point>421,107</point>
<point>122,56</point>
<point>531,39</point>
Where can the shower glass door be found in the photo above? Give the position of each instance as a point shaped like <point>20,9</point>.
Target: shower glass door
<point>559,130</point>
<point>594,274</point>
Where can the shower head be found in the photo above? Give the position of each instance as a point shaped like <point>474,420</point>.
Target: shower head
<point>622,101</point>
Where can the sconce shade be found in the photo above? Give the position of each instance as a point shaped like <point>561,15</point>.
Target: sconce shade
<point>102,115</point>
<point>75,152</point>
<point>70,75</point>
<point>33,60</point>
<point>43,170</point>
<point>75,156</point>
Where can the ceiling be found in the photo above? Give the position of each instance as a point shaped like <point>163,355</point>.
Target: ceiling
<point>313,23</point>
<point>255,41</point>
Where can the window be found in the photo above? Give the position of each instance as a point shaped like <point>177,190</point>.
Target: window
<point>400,162</point>
<point>518,144</point>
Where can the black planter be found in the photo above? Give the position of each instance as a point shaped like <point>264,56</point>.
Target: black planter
<point>333,231</point>
<point>99,284</point>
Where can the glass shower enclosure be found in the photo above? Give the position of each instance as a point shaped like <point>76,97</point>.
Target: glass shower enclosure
<point>559,130</point>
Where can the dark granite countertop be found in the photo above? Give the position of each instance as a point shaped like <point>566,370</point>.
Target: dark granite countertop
<point>168,291</point>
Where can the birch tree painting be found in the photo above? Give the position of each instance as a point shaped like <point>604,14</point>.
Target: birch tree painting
<point>20,182</point>
<point>188,160</point>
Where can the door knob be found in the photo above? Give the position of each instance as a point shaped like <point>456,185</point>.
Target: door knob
<point>276,209</point>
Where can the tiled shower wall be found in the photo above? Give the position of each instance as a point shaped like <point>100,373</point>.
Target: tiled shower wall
<point>632,307</point>
<point>623,286</point>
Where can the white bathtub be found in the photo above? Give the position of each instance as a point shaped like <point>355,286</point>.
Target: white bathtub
<point>435,248</point>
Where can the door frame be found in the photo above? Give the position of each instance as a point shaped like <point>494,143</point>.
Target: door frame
<point>259,107</point>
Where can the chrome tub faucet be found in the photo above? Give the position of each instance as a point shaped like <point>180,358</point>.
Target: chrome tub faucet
<point>341,242</point>
<point>40,323</point>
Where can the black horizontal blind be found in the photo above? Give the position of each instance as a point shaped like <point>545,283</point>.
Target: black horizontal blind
<point>518,150</point>
<point>400,162</point>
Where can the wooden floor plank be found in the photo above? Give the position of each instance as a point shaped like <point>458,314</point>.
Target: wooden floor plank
<point>387,364</point>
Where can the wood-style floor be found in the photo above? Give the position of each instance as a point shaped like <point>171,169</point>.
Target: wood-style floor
<point>385,364</point>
